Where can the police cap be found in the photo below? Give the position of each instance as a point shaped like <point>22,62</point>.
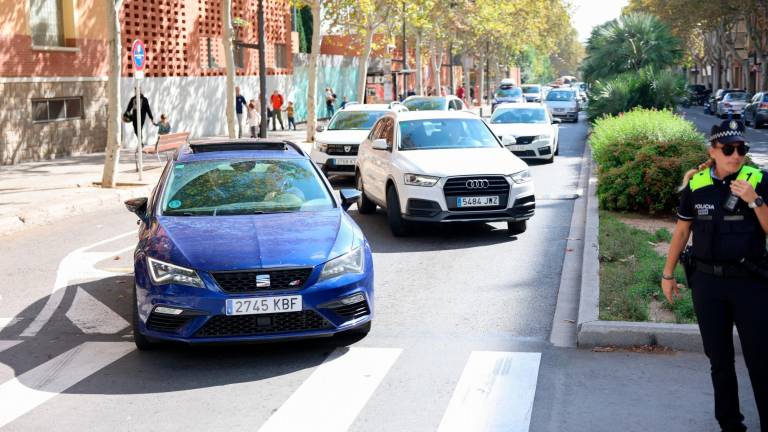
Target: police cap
<point>727,132</point>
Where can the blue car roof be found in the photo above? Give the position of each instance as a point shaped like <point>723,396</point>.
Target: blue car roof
<point>216,149</point>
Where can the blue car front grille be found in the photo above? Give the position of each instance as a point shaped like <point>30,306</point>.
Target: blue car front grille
<point>252,325</point>
<point>245,281</point>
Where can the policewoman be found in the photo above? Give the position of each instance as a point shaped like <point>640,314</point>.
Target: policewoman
<point>723,207</point>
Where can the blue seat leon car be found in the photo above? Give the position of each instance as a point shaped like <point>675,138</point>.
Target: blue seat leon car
<point>244,240</point>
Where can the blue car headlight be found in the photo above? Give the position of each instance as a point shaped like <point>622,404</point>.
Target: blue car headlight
<point>163,273</point>
<point>352,262</point>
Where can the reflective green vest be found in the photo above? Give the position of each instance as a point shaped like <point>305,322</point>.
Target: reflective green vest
<point>704,178</point>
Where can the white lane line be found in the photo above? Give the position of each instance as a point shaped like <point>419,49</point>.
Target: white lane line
<point>495,393</point>
<point>33,388</point>
<point>94,317</point>
<point>331,398</point>
<point>78,264</point>
<point>5,344</point>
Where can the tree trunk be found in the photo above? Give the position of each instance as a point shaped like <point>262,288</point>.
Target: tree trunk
<point>481,87</point>
<point>437,62</point>
<point>362,68</point>
<point>419,72</point>
<point>112,152</point>
<point>313,58</point>
<point>229,58</point>
<point>465,75</point>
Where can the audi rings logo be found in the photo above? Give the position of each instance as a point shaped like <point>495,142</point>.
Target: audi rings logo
<point>478,184</point>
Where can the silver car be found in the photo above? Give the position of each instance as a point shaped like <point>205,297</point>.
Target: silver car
<point>532,92</point>
<point>734,103</point>
<point>563,103</point>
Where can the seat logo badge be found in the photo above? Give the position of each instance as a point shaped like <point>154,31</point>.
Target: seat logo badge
<point>263,281</point>
<point>295,283</point>
<point>347,149</point>
<point>478,184</point>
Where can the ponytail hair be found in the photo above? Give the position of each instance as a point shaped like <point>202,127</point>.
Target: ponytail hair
<point>688,174</point>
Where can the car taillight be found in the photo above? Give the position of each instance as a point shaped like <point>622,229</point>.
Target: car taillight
<point>764,106</point>
<point>726,105</point>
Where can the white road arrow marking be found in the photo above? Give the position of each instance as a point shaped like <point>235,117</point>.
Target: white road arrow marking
<point>77,265</point>
<point>495,393</point>
<point>33,388</point>
<point>330,399</point>
<point>93,316</point>
<point>5,344</point>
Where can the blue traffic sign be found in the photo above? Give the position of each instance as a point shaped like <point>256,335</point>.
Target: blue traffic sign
<point>138,55</point>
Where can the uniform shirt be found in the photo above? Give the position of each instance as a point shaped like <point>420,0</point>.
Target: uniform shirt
<point>718,234</point>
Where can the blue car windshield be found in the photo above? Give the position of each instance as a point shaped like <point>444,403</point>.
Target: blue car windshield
<point>509,92</point>
<point>531,89</point>
<point>519,115</point>
<point>354,120</point>
<point>445,134</point>
<point>425,104</point>
<point>560,96</point>
<point>239,187</point>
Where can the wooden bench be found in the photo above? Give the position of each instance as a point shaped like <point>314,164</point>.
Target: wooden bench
<point>166,143</point>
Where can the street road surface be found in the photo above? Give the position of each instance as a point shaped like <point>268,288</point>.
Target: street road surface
<point>459,342</point>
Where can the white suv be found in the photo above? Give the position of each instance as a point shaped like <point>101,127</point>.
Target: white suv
<point>335,148</point>
<point>441,166</point>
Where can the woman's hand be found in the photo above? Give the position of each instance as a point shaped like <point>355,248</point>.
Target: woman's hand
<point>744,190</point>
<point>671,291</point>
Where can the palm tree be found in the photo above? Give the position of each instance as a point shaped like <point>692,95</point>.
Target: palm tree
<point>629,43</point>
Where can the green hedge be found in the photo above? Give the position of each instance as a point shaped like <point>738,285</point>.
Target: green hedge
<point>645,88</point>
<point>641,158</point>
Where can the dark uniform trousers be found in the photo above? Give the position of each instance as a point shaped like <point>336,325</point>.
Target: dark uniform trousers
<point>719,303</point>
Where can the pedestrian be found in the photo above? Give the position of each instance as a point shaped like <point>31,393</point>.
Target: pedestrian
<point>460,92</point>
<point>411,92</point>
<point>254,119</point>
<point>289,111</point>
<point>130,114</point>
<point>277,107</point>
<point>344,101</point>
<point>330,97</point>
<point>722,205</point>
<point>239,104</point>
<point>163,126</point>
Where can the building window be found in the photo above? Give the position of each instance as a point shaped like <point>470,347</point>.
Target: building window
<point>52,23</point>
<point>280,60</point>
<point>57,109</point>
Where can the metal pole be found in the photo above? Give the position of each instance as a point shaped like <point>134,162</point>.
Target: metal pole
<point>405,57</point>
<point>262,72</point>
<point>450,70</point>
<point>140,148</point>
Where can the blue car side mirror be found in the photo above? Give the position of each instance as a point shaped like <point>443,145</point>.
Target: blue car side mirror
<point>138,206</point>
<point>349,197</point>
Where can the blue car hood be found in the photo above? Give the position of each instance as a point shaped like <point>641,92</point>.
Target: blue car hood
<point>220,243</point>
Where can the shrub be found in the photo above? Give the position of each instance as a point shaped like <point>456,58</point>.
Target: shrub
<point>645,88</point>
<point>641,157</point>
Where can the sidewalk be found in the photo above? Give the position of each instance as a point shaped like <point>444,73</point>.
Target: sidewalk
<point>37,193</point>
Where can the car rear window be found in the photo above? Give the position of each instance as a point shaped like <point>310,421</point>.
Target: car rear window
<point>509,92</point>
<point>354,120</point>
<point>531,89</point>
<point>236,187</point>
<point>445,134</point>
<point>736,96</point>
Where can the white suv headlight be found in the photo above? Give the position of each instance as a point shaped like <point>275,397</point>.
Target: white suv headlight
<point>523,176</point>
<point>165,273</point>
<point>351,262</point>
<point>421,180</point>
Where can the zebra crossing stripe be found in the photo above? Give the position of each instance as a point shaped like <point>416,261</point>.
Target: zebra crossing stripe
<point>330,399</point>
<point>5,344</point>
<point>33,388</point>
<point>495,393</point>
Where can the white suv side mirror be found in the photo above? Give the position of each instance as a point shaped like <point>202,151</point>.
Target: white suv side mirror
<point>379,144</point>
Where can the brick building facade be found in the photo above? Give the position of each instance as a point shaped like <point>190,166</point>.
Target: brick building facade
<point>53,68</point>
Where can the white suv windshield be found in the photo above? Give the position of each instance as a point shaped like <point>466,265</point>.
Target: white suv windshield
<point>354,120</point>
<point>445,134</point>
<point>236,187</point>
<point>519,115</point>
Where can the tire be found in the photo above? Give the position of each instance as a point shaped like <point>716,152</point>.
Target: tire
<point>397,224</point>
<point>517,227</point>
<point>550,160</point>
<point>364,204</point>
<point>143,343</point>
<point>557,148</point>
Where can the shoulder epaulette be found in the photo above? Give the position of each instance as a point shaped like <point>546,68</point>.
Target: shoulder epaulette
<point>701,179</point>
<point>750,174</point>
